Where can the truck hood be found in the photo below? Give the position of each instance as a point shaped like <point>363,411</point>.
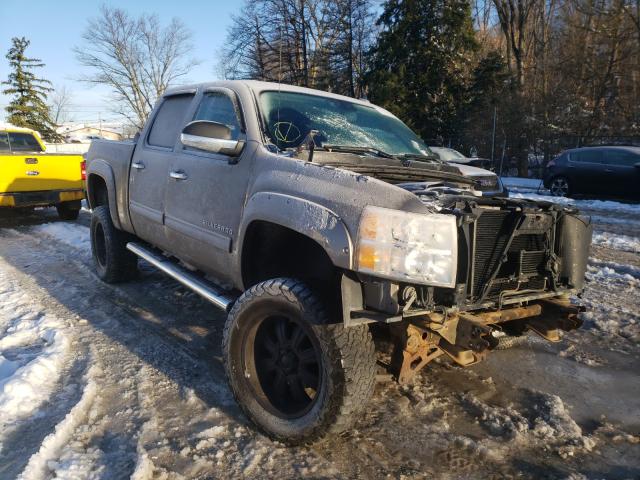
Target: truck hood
<point>391,170</point>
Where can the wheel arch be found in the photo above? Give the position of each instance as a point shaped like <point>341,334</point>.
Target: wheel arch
<point>101,189</point>
<point>308,219</point>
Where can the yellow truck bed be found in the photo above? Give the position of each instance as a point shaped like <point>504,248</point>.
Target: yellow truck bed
<point>30,177</point>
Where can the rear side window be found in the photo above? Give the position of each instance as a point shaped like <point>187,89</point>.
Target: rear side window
<point>23,142</point>
<point>169,121</point>
<point>620,157</point>
<point>587,156</point>
<point>218,107</point>
<point>4,142</point>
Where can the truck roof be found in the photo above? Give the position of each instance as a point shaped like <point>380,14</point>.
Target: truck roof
<point>258,86</point>
<point>8,127</point>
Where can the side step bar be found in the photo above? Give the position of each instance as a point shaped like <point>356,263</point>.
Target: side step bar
<point>189,280</point>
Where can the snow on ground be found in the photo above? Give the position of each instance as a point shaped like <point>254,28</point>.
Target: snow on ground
<point>71,234</point>
<point>584,204</point>
<point>34,347</point>
<point>624,243</point>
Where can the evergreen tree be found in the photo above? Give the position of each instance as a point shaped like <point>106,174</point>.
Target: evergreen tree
<point>28,107</point>
<point>420,65</point>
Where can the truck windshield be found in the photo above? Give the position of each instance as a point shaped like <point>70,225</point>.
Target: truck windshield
<point>289,117</point>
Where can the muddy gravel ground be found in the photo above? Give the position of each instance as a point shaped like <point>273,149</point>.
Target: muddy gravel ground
<point>113,382</point>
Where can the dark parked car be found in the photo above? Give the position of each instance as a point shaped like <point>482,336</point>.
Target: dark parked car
<point>595,170</point>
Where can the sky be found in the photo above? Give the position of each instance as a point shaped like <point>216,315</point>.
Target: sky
<point>55,27</point>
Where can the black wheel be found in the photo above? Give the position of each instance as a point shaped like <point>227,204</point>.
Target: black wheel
<point>297,376</point>
<point>114,263</point>
<point>559,187</point>
<point>68,210</point>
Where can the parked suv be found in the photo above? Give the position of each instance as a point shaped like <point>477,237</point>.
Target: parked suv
<point>595,170</point>
<point>309,217</point>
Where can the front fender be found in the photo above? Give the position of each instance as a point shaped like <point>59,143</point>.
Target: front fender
<point>103,170</point>
<point>305,217</point>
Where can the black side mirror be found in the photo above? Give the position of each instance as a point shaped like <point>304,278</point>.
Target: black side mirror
<point>637,165</point>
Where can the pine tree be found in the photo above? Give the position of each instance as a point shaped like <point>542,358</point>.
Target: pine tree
<point>420,65</point>
<point>28,107</point>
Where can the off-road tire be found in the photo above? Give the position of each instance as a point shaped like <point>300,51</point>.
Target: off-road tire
<point>113,262</point>
<point>68,210</point>
<point>347,356</point>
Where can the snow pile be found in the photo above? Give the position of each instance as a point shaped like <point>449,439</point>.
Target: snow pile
<point>617,242</point>
<point>33,353</point>
<point>547,423</point>
<point>57,455</point>
<point>71,234</point>
<point>617,282</point>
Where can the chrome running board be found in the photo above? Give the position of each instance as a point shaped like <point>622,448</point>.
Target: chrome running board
<point>188,279</point>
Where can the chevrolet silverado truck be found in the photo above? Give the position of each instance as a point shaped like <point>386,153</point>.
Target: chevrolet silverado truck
<point>29,177</point>
<point>314,219</point>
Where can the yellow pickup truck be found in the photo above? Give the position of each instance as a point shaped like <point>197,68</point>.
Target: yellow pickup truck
<point>29,177</point>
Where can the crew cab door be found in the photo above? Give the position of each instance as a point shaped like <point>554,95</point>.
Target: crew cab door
<point>206,193</point>
<point>150,166</point>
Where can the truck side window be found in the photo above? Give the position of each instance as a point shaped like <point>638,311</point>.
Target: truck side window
<point>4,142</point>
<point>169,121</point>
<point>23,142</point>
<point>218,107</point>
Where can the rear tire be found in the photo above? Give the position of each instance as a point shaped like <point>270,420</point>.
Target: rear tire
<point>68,210</point>
<point>113,262</point>
<point>560,187</point>
<point>294,374</point>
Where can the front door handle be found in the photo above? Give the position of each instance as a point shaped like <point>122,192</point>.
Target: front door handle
<point>138,165</point>
<point>179,175</point>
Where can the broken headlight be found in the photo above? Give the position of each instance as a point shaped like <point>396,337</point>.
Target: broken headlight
<point>408,247</point>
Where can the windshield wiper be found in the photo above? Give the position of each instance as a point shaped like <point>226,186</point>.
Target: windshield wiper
<point>420,157</point>
<point>356,149</point>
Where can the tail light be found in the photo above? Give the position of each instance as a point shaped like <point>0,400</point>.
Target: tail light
<point>83,169</point>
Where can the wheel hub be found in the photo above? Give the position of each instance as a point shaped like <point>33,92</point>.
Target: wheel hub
<point>287,365</point>
<point>288,361</point>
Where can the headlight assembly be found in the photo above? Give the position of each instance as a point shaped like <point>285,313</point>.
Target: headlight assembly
<point>408,247</point>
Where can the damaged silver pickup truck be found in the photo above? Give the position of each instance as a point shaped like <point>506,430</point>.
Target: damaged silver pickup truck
<point>313,219</point>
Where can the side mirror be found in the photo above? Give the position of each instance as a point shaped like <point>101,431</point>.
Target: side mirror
<point>637,165</point>
<point>211,137</point>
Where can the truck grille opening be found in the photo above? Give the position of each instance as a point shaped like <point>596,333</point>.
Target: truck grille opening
<point>526,257</point>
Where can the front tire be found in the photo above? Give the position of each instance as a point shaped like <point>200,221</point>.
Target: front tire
<point>113,262</point>
<point>560,187</point>
<point>297,376</point>
<point>68,210</point>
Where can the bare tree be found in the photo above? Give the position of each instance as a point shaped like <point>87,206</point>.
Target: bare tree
<point>137,58</point>
<point>514,17</point>
<point>59,103</point>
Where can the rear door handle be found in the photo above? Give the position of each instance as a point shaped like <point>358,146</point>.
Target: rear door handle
<point>608,170</point>
<point>138,165</point>
<point>179,175</point>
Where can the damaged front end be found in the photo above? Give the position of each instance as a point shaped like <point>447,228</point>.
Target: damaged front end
<point>518,263</point>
